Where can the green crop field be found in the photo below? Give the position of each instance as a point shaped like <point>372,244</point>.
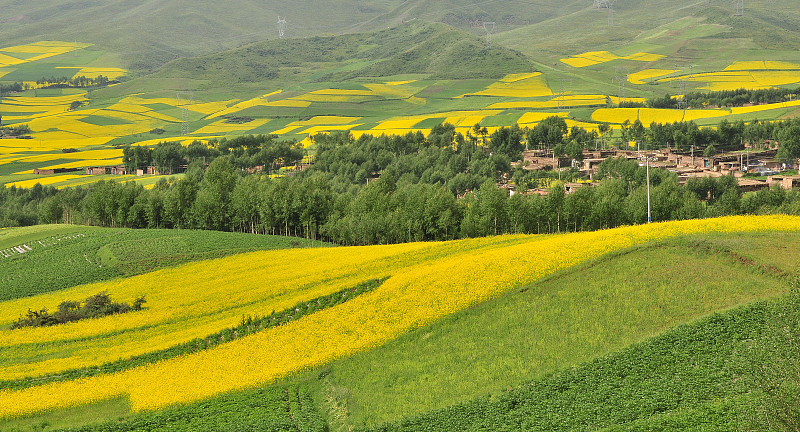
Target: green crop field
<point>656,336</point>
<point>47,258</point>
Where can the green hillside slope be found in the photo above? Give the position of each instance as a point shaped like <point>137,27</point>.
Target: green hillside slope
<point>47,258</point>
<point>573,333</point>
<point>432,49</point>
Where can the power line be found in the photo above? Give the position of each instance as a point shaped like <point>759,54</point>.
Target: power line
<point>489,27</point>
<point>185,99</point>
<point>281,27</point>
<point>621,74</point>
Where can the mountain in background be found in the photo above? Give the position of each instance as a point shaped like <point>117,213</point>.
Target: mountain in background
<point>145,34</point>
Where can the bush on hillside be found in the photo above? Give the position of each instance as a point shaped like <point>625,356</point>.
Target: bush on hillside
<point>96,306</point>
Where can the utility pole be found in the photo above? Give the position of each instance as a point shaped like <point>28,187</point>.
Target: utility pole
<point>185,99</point>
<point>489,27</point>
<point>621,75</point>
<point>281,27</point>
<point>647,159</point>
<point>561,98</point>
<point>739,8</point>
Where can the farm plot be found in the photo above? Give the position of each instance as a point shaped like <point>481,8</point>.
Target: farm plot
<point>599,57</point>
<point>425,282</point>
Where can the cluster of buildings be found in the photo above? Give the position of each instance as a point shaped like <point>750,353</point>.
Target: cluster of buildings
<point>763,165</point>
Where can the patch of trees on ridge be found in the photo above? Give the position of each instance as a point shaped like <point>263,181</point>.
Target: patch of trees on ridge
<point>96,306</point>
<point>390,189</point>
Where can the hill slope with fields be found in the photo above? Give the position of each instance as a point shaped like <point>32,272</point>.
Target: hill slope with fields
<point>478,317</point>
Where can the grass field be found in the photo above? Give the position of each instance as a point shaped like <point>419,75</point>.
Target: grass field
<point>615,301</point>
<point>47,258</point>
<point>419,286</point>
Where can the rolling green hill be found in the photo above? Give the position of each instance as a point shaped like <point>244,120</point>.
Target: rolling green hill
<point>658,337</point>
<point>46,258</point>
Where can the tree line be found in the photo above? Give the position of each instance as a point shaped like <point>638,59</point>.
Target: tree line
<point>376,190</point>
<point>726,98</point>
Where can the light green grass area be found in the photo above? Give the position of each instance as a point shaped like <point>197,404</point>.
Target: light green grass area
<point>565,327</point>
<point>567,319</point>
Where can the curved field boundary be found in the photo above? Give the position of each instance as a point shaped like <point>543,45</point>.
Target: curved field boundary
<point>414,295</point>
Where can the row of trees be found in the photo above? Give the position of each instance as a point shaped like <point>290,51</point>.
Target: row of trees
<point>245,152</point>
<point>387,210</point>
<point>726,98</point>
<point>391,189</point>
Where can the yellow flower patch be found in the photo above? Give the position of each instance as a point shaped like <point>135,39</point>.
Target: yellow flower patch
<point>426,281</point>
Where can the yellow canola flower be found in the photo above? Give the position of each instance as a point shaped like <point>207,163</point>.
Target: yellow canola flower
<point>597,57</point>
<point>44,181</point>
<point>220,127</point>
<point>571,100</point>
<point>650,115</point>
<point>94,72</point>
<point>426,283</point>
<point>738,79</point>
<point>397,83</point>
<point>764,107</point>
<point>641,77</point>
<point>535,86</point>
<point>762,65</point>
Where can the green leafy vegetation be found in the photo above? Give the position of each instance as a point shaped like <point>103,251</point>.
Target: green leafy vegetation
<point>48,258</point>
<point>96,306</point>
<point>691,377</point>
<point>583,348</point>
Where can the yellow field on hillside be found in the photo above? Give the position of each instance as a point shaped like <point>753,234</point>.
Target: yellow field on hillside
<point>762,65</point>
<point>741,79</point>
<point>530,85</point>
<point>220,127</point>
<point>641,77</point>
<point>598,57</point>
<point>650,115</point>
<point>426,281</point>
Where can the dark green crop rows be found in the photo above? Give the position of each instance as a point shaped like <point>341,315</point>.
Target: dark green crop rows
<point>702,377</point>
<point>271,409</point>
<point>88,254</point>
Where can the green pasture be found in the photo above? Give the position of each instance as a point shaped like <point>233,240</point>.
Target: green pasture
<point>63,256</point>
<point>567,331</point>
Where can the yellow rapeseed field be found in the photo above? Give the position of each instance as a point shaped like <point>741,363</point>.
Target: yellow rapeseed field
<point>535,85</point>
<point>44,180</point>
<point>641,77</point>
<point>597,57</point>
<point>762,65</point>
<point>764,107</point>
<point>649,115</point>
<point>220,127</point>
<point>425,283</point>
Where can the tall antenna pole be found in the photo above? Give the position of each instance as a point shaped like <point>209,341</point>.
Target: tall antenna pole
<point>562,95</point>
<point>281,27</point>
<point>489,27</point>
<point>621,74</point>
<point>76,47</point>
<point>739,8</point>
<point>185,99</point>
<point>610,5</point>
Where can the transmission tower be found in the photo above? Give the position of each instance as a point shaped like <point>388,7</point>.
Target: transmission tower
<point>621,76</point>
<point>185,100</point>
<point>683,85</point>
<point>489,27</point>
<point>610,5</point>
<point>739,8</point>
<point>281,27</point>
<point>561,98</point>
